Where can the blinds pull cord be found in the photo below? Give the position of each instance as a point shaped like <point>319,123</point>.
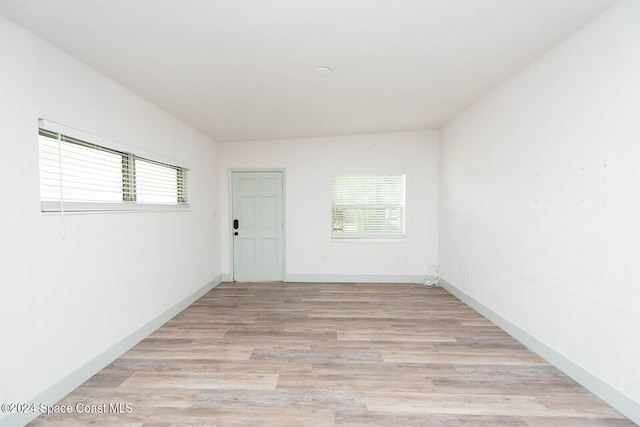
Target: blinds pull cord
<point>62,224</point>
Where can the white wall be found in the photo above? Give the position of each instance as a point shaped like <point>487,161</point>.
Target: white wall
<point>540,205</point>
<point>63,302</point>
<point>309,165</point>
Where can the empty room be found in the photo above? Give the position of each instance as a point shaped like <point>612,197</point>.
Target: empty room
<point>292,213</point>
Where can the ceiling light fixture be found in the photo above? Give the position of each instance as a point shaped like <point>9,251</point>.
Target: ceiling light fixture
<point>323,71</point>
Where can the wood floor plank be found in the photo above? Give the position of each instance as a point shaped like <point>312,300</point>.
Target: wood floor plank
<point>355,381</point>
<point>223,350</point>
<point>393,336</point>
<point>372,418</point>
<point>419,355</point>
<point>216,417</point>
<point>461,404</point>
<point>576,422</point>
<point>204,380</point>
<point>284,400</point>
<point>195,366</point>
<point>142,400</point>
<point>333,354</point>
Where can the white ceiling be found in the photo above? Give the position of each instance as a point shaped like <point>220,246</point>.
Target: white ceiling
<point>244,69</point>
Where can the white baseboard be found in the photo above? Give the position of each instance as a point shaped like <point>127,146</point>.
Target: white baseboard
<point>59,390</point>
<point>621,402</point>
<point>353,278</point>
<point>346,278</point>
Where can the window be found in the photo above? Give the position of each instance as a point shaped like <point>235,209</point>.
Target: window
<point>79,175</point>
<point>368,206</point>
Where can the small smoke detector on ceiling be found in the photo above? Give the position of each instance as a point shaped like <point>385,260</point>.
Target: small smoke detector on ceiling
<point>323,71</point>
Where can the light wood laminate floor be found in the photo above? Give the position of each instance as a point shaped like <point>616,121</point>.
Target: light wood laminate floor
<point>319,354</point>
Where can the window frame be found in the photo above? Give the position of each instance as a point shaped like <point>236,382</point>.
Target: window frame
<point>387,234</point>
<point>128,202</point>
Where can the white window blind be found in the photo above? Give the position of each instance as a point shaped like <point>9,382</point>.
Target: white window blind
<point>368,206</point>
<point>78,175</point>
<point>156,183</point>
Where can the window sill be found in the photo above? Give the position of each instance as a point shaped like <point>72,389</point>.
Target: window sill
<point>367,239</point>
<point>74,210</point>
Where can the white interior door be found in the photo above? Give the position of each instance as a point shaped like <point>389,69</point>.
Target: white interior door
<point>257,227</point>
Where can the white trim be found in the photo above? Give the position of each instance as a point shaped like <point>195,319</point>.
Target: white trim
<point>618,400</point>
<point>72,381</point>
<point>230,222</point>
<point>183,208</point>
<point>354,278</point>
<point>101,207</point>
<point>368,237</point>
<point>358,239</point>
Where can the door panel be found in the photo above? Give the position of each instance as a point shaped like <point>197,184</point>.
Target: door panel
<point>247,212</point>
<point>247,253</point>
<point>269,212</point>
<point>269,254</point>
<point>246,184</point>
<point>269,184</point>
<point>258,245</point>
